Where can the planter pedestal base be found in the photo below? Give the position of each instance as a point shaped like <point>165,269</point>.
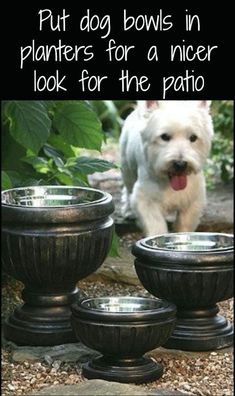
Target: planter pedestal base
<point>137,371</point>
<point>43,320</point>
<point>200,330</point>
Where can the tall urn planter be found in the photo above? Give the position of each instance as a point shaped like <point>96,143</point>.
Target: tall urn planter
<point>52,237</point>
<point>195,272</point>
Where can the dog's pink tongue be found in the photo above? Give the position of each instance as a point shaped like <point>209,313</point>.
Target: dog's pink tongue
<point>178,182</point>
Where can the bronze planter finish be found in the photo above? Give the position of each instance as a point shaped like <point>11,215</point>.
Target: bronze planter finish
<point>194,271</point>
<point>52,237</point>
<point>123,329</point>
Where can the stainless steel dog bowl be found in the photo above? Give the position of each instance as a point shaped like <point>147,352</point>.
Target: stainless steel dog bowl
<point>51,196</point>
<point>122,305</point>
<point>195,271</point>
<point>123,329</point>
<point>190,242</point>
<point>55,203</point>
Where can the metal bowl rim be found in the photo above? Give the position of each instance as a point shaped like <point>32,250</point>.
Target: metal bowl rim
<point>162,304</point>
<point>104,196</point>
<point>143,243</point>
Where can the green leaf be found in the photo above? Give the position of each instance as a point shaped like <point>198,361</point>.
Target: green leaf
<point>6,181</point>
<point>78,124</point>
<point>12,152</point>
<point>58,143</point>
<point>21,180</point>
<point>81,177</point>
<point>29,123</point>
<point>70,180</point>
<point>52,152</point>
<point>114,246</point>
<point>59,163</point>
<point>64,179</point>
<point>89,165</point>
<point>16,178</point>
<point>39,164</point>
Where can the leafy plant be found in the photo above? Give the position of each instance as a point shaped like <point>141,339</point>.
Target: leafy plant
<point>220,164</point>
<point>42,141</point>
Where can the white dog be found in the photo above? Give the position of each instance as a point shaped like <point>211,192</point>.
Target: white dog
<point>164,146</point>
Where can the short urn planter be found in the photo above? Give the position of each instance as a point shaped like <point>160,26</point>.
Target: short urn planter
<point>123,329</point>
<point>52,237</point>
<point>194,271</point>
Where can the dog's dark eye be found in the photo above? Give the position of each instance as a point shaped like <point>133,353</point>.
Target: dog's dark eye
<point>165,137</point>
<point>193,138</point>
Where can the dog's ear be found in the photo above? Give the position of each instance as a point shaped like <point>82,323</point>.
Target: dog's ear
<point>151,104</point>
<point>205,104</point>
<point>145,107</point>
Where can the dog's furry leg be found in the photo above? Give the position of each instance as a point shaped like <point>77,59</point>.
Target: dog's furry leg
<point>129,178</point>
<point>148,213</point>
<point>189,219</point>
<point>126,205</point>
<point>189,216</point>
<point>151,219</point>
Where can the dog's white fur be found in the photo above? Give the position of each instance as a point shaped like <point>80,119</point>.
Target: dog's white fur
<point>147,159</point>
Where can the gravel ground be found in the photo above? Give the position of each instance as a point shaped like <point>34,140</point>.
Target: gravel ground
<point>199,374</point>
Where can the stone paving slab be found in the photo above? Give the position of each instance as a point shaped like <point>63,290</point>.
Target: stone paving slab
<point>104,388</point>
<point>74,352</point>
<point>118,269</point>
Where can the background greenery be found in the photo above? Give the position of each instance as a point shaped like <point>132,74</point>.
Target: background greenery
<point>42,141</point>
<point>220,163</point>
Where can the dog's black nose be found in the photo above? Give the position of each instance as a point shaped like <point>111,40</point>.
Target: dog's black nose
<point>180,166</point>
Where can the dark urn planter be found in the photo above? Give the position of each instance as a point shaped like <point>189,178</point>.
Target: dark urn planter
<point>123,329</point>
<point>194,271</point>
<point>52,237</point>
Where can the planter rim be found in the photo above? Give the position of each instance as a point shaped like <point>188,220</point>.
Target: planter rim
<point>201,260</point>
<point>200,236</point>
<point>158,310</point>
<point>99,208</point>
